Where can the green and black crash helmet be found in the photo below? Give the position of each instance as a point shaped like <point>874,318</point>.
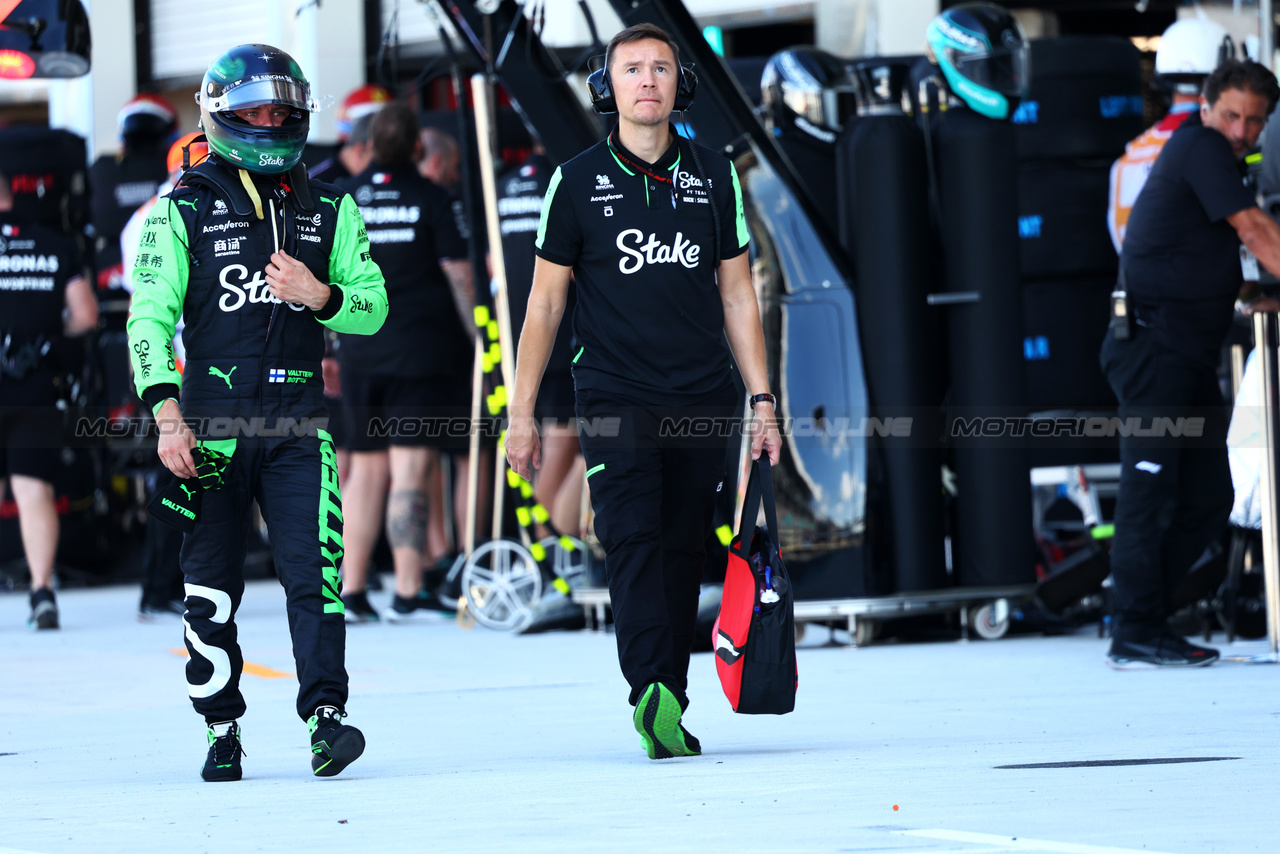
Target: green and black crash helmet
<point>255,75</point>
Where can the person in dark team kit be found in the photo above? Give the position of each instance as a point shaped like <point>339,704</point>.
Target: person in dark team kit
<point>122,182</point>
<point>657,247</point>
<point>411,371</point>
<point>352,125</point>
<point>1180,267</point>
<point>40,277</point>
<point>351,158</point>
<point>354,153</point>
<point>258,260</point>
<point>520,195</point>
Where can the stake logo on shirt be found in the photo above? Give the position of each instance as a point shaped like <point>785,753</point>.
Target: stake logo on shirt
<point>637,254</point>
<point>246,289</point>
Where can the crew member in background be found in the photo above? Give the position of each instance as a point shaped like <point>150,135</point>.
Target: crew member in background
<point>162,589</point>
<point>122,182</point>
<point>259,260</point>
<point>352,125</point>
<point>1189,51</point>
<point>352,158</point>
<point>440,162</point>
<point>663,283</point>
<point>559,484</point>
<point>413,370</point>
<point>1180,267</point>
<point>43,295</point>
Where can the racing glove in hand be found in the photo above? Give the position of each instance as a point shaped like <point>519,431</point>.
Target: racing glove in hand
<point>210,467</point>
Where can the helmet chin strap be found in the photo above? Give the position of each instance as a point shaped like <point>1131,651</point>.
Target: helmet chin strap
<point>253,193</point>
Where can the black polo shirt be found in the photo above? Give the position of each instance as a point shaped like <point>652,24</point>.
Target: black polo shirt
<point>520,195</point>
<point>641,240</point>
<point>36,263</point>
<point>411,232</point>
<point>1181,258</point>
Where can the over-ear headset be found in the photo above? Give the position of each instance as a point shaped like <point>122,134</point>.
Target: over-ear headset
<point>600,87</point>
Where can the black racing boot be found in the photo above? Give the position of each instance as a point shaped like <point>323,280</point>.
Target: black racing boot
<point>334,745</point>
<point>223,762</point>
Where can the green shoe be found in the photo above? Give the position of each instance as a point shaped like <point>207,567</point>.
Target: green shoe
<point>657,719</point>
<point>334,745</point>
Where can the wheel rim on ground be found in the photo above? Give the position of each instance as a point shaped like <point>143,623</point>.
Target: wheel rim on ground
<point>501,583</point>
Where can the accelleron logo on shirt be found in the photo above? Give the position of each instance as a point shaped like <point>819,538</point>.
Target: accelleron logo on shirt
<point>654,251</point>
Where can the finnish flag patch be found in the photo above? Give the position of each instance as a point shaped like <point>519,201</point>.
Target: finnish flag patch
<point>276,375</point>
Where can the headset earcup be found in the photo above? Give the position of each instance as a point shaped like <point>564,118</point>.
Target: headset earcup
<point>688,88</point>
<point>601,92</point>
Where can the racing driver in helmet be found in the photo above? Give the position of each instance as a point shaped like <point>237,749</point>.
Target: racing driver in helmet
<point>260,261</point>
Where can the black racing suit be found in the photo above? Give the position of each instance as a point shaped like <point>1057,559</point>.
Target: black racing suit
<point>252,387</point>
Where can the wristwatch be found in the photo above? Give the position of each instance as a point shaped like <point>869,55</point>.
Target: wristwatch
<point>757,398</point>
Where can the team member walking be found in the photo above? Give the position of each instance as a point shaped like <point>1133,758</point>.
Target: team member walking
<point>1180,266</point>
<point>410,374</point>
<point>258,260</point>
<point>657,245</point>
<point>43,296</point>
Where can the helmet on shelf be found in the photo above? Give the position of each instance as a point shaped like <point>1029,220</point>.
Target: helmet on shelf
<point>808,88</point>
<point>984,57</point>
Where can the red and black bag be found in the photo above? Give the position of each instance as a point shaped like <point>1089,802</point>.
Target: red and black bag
<point>755,635</point>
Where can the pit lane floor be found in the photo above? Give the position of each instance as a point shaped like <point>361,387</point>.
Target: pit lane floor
<point>489,742</point>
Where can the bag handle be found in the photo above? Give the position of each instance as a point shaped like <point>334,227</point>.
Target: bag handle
<point>759,489</point>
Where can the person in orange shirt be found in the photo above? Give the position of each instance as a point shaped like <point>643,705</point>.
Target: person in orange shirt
<point>1189,51</point>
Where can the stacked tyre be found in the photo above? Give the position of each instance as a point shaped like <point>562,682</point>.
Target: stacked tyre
<point>1085,104</point>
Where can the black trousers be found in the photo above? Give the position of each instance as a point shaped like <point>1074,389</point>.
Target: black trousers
<point>1175,491</point>
<point>654,472</point>
<point>295,481</point>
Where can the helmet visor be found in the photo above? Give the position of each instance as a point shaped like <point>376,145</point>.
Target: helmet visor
<point>259,91</point>
<point>828,107</point>
<point>1004,70</point>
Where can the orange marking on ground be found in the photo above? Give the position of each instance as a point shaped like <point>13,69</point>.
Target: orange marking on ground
<point>249,667</point>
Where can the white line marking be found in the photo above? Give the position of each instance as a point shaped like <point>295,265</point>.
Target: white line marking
<point>1007,843</point>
